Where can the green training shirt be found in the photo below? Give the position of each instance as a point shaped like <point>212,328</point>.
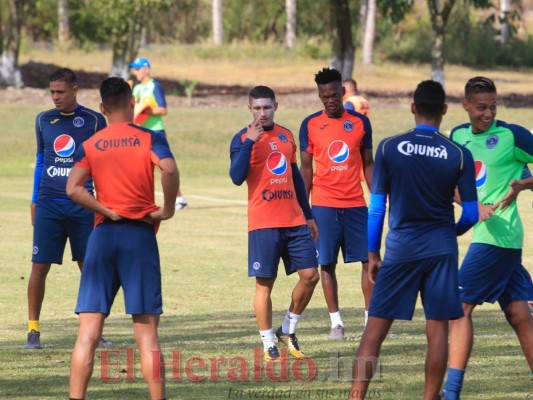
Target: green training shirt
<point>499,154</point>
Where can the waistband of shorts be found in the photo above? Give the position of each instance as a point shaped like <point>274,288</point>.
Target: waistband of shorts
<point>127,221</point>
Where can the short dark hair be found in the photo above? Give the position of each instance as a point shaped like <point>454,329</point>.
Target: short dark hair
<point>328,75</point>
<point>115,93</point>
<point>262,92</point>
<point>64,75</point>
<point>479,84</point>
<point>429,99</point>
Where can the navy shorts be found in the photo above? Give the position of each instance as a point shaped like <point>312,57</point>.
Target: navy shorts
<point>55,221</point>
<point>267,246</point>
<point>122,253</point>
<point>491,273</point>
<point>396,290</point>
<point>341,229</point>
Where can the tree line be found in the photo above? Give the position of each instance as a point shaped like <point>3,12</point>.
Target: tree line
<point>126,25</point>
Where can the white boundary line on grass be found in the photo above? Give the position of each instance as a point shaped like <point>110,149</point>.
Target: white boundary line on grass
<point>212,199</point>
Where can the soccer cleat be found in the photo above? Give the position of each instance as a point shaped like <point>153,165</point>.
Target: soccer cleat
<point>291,341</point>
<point>34,340</point>
<point>181,203</point>
<point>105,343</point>
<point>272,354</point>
<point>336,333</point>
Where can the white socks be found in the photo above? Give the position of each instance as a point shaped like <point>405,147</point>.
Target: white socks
<point>290,322</point>
<point>336,319</point>
<point>268,339</point>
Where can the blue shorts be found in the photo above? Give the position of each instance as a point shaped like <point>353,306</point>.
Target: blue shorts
<point>55,221</point>
<point>267,246</point>
<point>341,229</point>
<point>397,285</point>
<point>491,273</point>
<point>122,253</point>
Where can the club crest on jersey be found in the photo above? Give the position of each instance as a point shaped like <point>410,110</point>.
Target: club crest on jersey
<point>78,122</point>
<point>282,137</point>
<point>338,151</point>
<point>492,141</point>
<point>481,173</point>
<point>277,163</point>
<point>348,126</point>
<point>64,145</point>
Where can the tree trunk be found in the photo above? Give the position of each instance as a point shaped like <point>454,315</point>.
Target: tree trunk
<point>439,17</point>
<point>363,11</point>
<point>126,48</point>
<point>290,35</point>
<point>343,50</point>
<point>63,31</point>
<point>9,70</point>
<point>369,33</point>
<point>218,28</point>
<point>505,8</point>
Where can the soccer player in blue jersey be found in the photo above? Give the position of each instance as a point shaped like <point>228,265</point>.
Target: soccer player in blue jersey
<point>59,131</point>
<point>492,269</point>
<point>418,171</point>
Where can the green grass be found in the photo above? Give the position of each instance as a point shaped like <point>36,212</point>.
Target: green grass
<point>207,295</point>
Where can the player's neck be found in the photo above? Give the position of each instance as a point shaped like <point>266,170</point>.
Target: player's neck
<point>428,122</point>
<point>146,79</point>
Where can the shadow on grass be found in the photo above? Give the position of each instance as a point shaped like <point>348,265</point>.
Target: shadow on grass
<point>222,352</point>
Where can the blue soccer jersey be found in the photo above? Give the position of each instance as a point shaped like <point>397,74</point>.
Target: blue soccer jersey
<point>59,134</point>
<point>419,171</point>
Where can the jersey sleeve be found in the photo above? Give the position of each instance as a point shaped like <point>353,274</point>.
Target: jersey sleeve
<point>81,159</point>
<point>304,137</point>
<point>367,139</point>
<point>240,155</point>
<point>380,177</point>
<point>523,143</point>
<point>160,148</point>
<point>467,177</point>
<point>159,95</point>
<point>39,159</point>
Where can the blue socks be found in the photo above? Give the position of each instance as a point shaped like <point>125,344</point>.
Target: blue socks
<point>454,383</point>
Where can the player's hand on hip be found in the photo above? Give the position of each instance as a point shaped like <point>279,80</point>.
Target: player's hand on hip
<point>161,214</point>
<point>313,229</point>
<point>113,216</point>
<point>255,130</point>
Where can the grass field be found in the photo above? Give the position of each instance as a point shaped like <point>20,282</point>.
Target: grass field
<point>208,297</point>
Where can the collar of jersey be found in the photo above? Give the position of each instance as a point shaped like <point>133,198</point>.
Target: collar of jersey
<point>427,127</point>
<point>78,107</point>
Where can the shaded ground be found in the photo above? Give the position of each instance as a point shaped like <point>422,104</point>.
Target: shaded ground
<point>35,78</point>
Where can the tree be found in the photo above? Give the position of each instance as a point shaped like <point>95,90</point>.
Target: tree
<point>290,34</point>
<point>218,29</point>
<point>439,11</point>
<point>10,43</point>
<point>369,33</point>
<point>342,43</point>
<point>63,31</point>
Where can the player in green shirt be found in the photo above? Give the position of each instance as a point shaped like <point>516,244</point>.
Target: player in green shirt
<point>150,105</point>
<point>492,269</point>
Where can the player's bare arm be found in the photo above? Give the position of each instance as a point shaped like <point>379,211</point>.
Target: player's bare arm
<point>306,169</point>
<point>374,264</point>
<point>156,111</point>
<point>516,186</point>
<point>77,193</point>
<point>170,182</point>
<point>313,229</point>
<point>368,165</point>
